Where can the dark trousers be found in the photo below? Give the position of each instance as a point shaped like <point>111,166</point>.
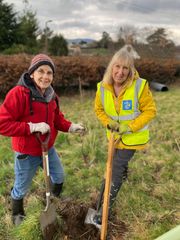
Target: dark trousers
<point>121,159</point>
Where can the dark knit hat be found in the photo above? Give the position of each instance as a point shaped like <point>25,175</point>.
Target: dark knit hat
<point>39,60</point>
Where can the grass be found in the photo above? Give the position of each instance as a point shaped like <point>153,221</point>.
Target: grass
<point>96,51</point>
<point>147,202</point>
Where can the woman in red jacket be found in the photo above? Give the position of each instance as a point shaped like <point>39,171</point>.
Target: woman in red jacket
<point>30,107</point>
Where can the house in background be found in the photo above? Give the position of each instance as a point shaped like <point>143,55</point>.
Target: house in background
<point>129,48</point>
<point>75,46</point>
<point>74,50</point>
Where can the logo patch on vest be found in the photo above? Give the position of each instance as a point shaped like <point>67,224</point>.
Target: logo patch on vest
<point>127,105</point>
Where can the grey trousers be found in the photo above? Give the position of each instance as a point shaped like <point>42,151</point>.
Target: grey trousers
<point>121,159</point>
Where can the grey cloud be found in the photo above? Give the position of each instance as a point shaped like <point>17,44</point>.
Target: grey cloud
<point>96,16</point>
<point>73,23</point>
<point>141,6</point>
<point>170,5</point>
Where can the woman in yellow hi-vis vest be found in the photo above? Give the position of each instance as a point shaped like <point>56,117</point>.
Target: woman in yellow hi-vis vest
<point>123,104</point>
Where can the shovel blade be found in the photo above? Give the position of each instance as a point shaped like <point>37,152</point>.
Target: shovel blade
<point>48,222</point>
<point>90,216</point>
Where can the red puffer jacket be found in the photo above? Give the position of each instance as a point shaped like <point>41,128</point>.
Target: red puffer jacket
<point>15,115</point>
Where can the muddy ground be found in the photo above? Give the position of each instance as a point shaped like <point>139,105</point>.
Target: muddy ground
<point>71,215</point>
<point>73,228</point>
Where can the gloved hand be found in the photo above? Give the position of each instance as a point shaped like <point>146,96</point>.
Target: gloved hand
<point>124,128</point>
<point>41,127</point>
<point>113,125</point>
<point>76,128</point>
<point>118,127</point>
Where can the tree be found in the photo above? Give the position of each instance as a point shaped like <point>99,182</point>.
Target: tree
<point>160,45</point>
<point>159,38</point>
<point>105,40</point>
<point>58,46</point>
<point>8,26</point>
<point>44,39</point>
<point>127,33</point>
<point>28,29</point>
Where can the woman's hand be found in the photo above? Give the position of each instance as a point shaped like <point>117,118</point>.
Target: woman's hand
<point>76,128</point>
<point>41,127</point>
<point>121,128</point>
<point>113,125</point>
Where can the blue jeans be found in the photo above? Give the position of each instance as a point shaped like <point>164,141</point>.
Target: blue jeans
<point>26,167</point>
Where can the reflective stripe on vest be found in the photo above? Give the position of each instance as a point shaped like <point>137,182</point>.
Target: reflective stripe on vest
<point>129,111</point>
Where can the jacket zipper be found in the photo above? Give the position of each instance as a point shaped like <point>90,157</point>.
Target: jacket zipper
<point>46,112</point>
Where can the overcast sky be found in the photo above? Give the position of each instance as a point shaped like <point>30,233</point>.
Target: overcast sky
<point>89,18</point>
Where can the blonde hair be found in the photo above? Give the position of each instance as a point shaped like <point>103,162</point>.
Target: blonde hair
<point>123,56</point>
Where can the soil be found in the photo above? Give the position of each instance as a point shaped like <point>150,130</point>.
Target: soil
<point>71,226</point>
<point>73,214</point>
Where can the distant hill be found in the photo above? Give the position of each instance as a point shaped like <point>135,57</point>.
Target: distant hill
<point>79,40</point>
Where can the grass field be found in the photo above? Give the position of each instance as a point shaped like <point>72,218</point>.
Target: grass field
<point>148,201</point>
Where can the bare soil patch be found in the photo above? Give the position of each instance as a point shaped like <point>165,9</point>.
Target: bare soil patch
<point>73,215</point>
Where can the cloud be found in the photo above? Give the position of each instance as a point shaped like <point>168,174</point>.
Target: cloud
<point>89,18</point>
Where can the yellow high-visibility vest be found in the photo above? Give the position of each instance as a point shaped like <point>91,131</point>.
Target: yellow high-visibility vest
<point>129,110</point>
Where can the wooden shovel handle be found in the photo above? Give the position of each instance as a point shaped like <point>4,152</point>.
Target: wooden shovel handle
<point>107,186</point>
<point>44,144</point>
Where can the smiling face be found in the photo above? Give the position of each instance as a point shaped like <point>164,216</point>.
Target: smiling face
<point>43,77</point>
<point>120,72</point>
